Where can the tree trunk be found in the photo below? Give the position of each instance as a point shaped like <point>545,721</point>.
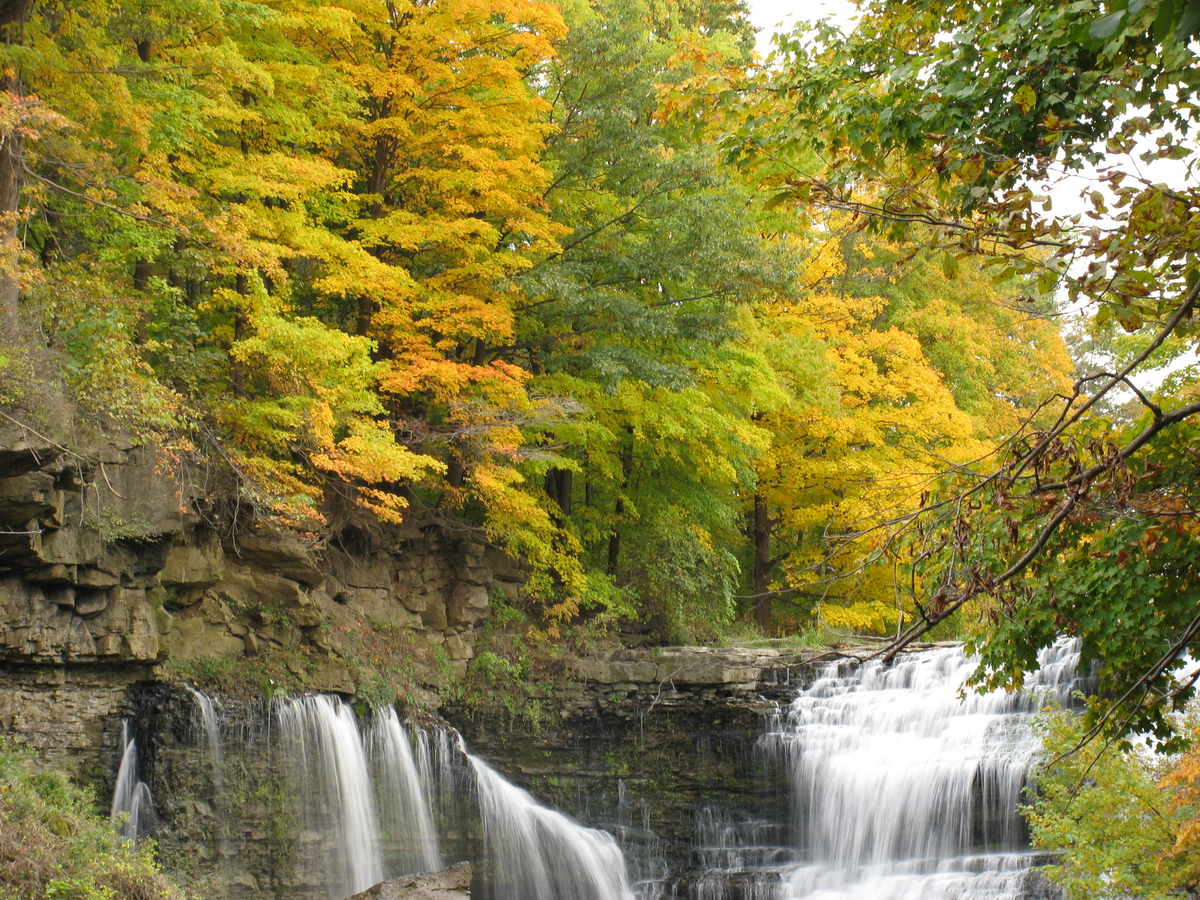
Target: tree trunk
<point>614,540</point>
<point>558,488</point>
<point>141,275</point>
<point>614,544</point>
<point>762,564</point>
<point>12,146</point>
<point>237,378</point>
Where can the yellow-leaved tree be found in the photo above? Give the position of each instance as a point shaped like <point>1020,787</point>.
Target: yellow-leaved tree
<point>922,368</point>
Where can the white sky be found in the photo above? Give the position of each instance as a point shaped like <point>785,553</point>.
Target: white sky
<point>770,16</point>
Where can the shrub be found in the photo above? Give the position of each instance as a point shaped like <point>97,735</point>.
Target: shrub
<point>53,845</point>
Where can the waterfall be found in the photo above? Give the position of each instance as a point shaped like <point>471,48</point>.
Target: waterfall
<point>367,801</point>
<point>408,834</point>
<point>539,854</point>
<point>132,806</point>
<point>337,794</point>
<point>902,785</point>
<point>906,785</point>
<point>207,723</point>
<point>206,714</point>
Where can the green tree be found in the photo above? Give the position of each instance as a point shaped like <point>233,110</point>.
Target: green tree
<point>948,117</point>
<point>634,320</point>
<point>1113,822</point>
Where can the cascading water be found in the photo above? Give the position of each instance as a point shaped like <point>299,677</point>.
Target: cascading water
<point>906,787</point>
<point>539,854</point>
<point>368,797</point>
<point>337,792</point>
<point>408,837</point>
<point>207,722</point>
<point>132,805</point>
<point>902,787</point>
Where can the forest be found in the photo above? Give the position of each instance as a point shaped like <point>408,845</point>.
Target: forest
<point>890,334</point>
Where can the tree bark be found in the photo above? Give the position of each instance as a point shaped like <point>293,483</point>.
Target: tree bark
<point>558,488</point>
<point>614,540</point>
<point>762,564</point>
<point>141,275</point>
<point>237,378</point>
<point>12,20</point>
<point>614,544</point>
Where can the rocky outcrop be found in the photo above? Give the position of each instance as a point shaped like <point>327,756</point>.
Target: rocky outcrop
<point>116,570</point>
<point>453,883</point>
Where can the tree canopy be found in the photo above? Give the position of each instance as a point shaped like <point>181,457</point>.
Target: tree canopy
<point>952,121</point>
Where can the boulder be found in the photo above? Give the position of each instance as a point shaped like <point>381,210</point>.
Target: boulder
<point>248,589</point>
<point>453,883</point>
<point>189,566</point>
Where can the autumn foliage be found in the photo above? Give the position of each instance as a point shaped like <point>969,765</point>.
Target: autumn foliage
<point>481,262</point>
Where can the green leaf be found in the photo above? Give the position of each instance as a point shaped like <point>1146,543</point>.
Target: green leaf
<point>1025,97</point>
<point>778,199</point>
<point>1189,22</point>
<point>1104,28</point>
<point>950,266</point>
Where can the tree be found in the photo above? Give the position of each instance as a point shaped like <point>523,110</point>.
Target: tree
<point>947,116</point>
<point>925,365</point>
<point>631,322</point>
<point>1119,821</point>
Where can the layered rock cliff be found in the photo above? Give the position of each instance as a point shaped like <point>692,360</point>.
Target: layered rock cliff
<point>116,571</point>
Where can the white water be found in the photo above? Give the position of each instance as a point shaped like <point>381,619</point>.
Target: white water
<point>132,806</point>
<point>368,798</point>
<point>907,788</point>
<point>207,719</point>
<point>410,840</point>
<point>206,711</point>
<point>338,802</point>
<point>539,854</point>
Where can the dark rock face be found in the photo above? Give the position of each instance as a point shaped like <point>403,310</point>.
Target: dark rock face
<point>645,744</point>
<point>453,883</point>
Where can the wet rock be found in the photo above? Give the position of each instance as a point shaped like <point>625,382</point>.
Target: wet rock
<point>453,883</point>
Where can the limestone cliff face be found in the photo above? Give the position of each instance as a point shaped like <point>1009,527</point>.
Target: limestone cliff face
<point>114,571</point>
<point>646,743</point>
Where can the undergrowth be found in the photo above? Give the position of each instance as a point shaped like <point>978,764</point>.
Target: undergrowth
<point>53,846</point>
